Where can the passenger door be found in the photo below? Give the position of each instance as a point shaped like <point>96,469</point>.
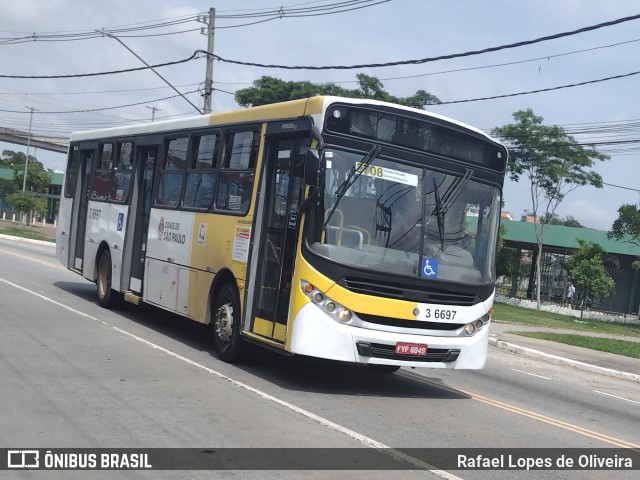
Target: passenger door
<point>274,251</point>
<point>79,210</point>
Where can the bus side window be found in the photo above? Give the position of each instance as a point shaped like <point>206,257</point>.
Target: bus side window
<point>201,176</point>
<point>122,173</point>
<point>172,172</point>
<point>72,172</point>
<point>102,177</point>
<point>235,187</point>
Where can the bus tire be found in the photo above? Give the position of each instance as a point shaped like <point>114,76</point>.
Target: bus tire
<point>383,368</point>
<point>225,321</point>
<point>107,297</point>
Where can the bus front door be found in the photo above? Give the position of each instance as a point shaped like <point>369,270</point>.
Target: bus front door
<point>79,211</point>
<point>275,247</point>
<point>140,210</point>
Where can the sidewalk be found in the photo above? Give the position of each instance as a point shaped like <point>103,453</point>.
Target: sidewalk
<point>593,361</point>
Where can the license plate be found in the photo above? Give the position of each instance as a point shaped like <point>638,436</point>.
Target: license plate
<point>403,348</point>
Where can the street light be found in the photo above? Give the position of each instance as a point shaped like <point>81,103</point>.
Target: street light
<point>26,161</point>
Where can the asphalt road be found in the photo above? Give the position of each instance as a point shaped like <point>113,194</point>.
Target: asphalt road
<point>75,375</point>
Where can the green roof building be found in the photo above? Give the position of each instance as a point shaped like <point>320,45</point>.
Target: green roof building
<point>559,243</point>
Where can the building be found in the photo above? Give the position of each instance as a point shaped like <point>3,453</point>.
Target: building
<point>559,243</point>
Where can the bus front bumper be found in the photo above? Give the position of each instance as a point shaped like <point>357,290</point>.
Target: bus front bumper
<point>317,335</point>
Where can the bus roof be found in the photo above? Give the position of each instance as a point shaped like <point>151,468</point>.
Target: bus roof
<point>294,108</point>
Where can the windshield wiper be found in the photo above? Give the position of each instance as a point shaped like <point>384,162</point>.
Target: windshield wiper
<point>450,196</point>
<point>439,212</point>
<point>354,174</point>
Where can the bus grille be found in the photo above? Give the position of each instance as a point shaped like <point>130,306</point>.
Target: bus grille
<point>379,350</point>
<point>411,293</point>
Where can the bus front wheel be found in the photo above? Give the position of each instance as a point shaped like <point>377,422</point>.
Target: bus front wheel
<point>226,324</point>
<point>106,296</point>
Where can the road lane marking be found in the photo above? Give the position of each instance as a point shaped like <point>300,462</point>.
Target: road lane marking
<point>532,374</point>
<point>615,396</point>
<point>364,440</point>
<point>33,259</point>
<point>527,413</point>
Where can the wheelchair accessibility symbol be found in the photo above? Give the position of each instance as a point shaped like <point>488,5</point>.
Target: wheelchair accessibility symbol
<point>429,267</point>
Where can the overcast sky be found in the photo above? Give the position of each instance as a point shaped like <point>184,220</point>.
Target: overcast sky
<point>380,33</point>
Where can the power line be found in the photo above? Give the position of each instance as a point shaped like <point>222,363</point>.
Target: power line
<point>125,30</point>
<point>550,89</point>
<point>620,186</point>
<point>105,108</point>
<point>433,59</point>
<point>112,72</point>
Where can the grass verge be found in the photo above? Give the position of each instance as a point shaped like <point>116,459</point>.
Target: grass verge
<point>619,347</point>
<point>510,313</point>
<point>25,233</point>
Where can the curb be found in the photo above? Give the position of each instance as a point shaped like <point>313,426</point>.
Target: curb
<point>531,353</point>
<point>27,240</point>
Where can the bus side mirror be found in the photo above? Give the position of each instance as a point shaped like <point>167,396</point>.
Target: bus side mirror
<point>312,167</point>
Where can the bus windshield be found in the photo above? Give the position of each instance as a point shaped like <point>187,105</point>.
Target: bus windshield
<point>397,218</point>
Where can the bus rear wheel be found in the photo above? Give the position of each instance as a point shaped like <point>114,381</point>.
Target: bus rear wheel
<point>225,320</point>
<point>106,296</point>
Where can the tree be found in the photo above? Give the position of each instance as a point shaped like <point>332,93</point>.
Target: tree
<point>627,226</point>
<point>267,90</point>
<point>38,179</point>
<point>25,202</point>
<point>553,162</point>
<point>591,278</point>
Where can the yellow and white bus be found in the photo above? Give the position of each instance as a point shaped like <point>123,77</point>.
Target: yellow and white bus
<point>344,229</point>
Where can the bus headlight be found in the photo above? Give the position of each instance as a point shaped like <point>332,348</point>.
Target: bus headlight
<point>330,307</point>
<point>473,327</point>
<point>344,315</point>
<point>470,329</point>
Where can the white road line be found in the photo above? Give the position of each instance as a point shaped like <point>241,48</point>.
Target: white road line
<point>532,374</point>
<point>364,440</point>
<point>615,396</point>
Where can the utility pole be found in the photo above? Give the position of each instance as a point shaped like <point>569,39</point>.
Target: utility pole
<point>208,82</point>
<point>26,161</point>
<point>153,111</point>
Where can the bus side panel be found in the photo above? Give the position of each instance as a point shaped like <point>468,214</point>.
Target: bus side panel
<point>161,283</point>
<point>210,253</point>
<point>115,238</point>
<point>96,232</point>
<point>166,279</point>
<point>63,232</point>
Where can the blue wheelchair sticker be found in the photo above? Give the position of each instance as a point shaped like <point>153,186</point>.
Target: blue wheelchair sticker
<point>429,267</point>
<point>120,221</point>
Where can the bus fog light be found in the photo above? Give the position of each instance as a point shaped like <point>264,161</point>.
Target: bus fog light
<point>318,298</point>
<point>344,315</point>
<point>330,307</point>
<point>469,329</point>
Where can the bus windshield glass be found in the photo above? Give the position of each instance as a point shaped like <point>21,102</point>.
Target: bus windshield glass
<point>397,218</point>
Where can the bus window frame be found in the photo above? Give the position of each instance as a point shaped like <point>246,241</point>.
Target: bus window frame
<point>227,172</point>
<point>191,167</point>
<point>72,173</point>
<point>98,149</point>
<point>161,170</point>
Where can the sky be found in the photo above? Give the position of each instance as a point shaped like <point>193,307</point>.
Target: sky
<point>54,41</point>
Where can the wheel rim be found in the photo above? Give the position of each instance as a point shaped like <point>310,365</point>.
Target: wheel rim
<point>224,323</point>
